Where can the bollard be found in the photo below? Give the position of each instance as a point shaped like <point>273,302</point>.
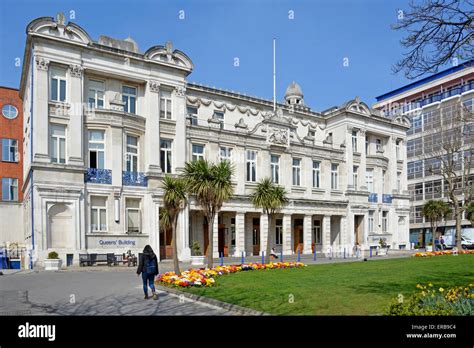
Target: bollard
<point>315,257</point>
<point>370,251</point>
<point>344,252</point>
<point>222,259</point>
<point>281,256</point>
<point>243,258</point>
<point>263,257</point>
<point>299,255</point>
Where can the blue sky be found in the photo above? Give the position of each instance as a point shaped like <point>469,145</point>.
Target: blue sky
<point>311,48</point>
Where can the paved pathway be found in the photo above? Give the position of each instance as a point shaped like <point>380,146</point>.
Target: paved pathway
<point>95,292</point>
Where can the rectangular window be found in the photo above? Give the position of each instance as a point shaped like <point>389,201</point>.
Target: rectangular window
<point>9,189</point>
<point>354,141</point>
<point>317,235</point>
<point>279,232</point>
<point>232,232</point>
<point>193,115</point>
<point>225,154</point>
<point>98,214</point>
<point>219,115</point>
<point>296,172</point>
<point>367,143</point>
<point>58,143</point>
<point>369,179</point>
<point>96,149</point>
<point>275,168</point>
<point>371,221</point>
<point>334,176</point>
<point>132,153</point>
<point>251,165</point>
<point>58,85</point>
<point>378,145</point>
<point>133,213</point>
<point>129,97</point>
<point>355,176</point>
<point>9,150</point>
<point>96,94</point>
<point>166,155</point>
<point>385,221</point>
<point>198,152</point>
<point>165,104</point>
<point>316,174</point>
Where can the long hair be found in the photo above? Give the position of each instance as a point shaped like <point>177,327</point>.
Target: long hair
<point>148,250</point>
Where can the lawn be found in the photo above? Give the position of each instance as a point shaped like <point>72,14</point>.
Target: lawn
<point>355,288</point>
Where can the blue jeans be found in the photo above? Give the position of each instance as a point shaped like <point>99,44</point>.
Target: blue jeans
<point>148,280</point>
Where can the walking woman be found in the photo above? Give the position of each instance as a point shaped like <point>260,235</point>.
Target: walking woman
<point>148,267</point>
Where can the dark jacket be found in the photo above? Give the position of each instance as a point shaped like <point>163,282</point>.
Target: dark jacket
<point>142,262</point>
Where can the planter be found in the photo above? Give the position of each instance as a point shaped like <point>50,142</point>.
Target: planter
<point>383,251</point>
<point>197,260</point>
<point>15,263</point>
<point>429,248</point>
<point>52,264</point>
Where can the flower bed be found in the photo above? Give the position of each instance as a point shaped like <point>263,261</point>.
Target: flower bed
<point>444,252</point>
<point>206,276</point>
<point>458,300</point>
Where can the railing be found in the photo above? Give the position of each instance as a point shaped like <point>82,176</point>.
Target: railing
<point>134,179</point>
<point>98,176</point>
<point>431,99</point>
<point>386,198</point>
<point>373,198</point>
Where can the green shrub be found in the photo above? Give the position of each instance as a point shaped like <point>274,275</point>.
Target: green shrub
<point>429,301</point>
<point>53,255</point>
<point>196,249</point>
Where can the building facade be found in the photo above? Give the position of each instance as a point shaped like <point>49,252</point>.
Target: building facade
<point>429,103</point>
<point>11,167</point>
<point>105,122</point>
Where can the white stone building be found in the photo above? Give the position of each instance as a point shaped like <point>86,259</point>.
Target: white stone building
<point>104,122</point>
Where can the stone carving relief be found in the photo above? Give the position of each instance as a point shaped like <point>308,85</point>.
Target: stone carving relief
<point>154,86</point>
<point>75,70</point>
<point>278,136</point>
<point>41,63</point>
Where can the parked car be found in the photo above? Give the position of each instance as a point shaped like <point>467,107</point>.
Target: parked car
<point>467,238</point>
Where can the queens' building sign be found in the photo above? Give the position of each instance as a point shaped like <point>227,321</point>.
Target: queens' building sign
<point>105,121</point>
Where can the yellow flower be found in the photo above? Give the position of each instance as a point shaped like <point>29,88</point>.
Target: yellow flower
<point>441,289</point>
<point>430,284</point>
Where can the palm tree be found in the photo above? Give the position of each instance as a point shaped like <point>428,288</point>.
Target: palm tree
<point>271,198</point>
<point>211,184</point>
<point>175,201</point>
<point>435,211</point>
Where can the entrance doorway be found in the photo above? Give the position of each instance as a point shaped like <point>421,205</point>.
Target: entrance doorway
<point>298,236</point>
<point>221,240</point>
<point>256,236</point>
<point>358,229</point>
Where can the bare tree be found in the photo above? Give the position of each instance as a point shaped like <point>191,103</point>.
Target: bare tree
<point>450,155</point>
<point>438,31</point>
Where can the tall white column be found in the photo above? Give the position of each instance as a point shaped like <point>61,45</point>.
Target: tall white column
<point>343,235</point>
<point>215,237</point>
<point>183,236</point>
<point>40,110</point>
<point>264,228</point>
<point>239,234</point>
<point>75,129</point>
<point>287,250</point>
<point>307,239</point>
<point>326,234</point>
<point>152,127</point>
<point>179,112</point>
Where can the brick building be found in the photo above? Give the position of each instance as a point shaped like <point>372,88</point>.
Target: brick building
<point>11,165</point>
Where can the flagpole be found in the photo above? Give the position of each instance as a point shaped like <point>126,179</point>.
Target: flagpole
<point>274,75</point>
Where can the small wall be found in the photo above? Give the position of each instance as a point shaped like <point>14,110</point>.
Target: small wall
<point>11,223</point>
